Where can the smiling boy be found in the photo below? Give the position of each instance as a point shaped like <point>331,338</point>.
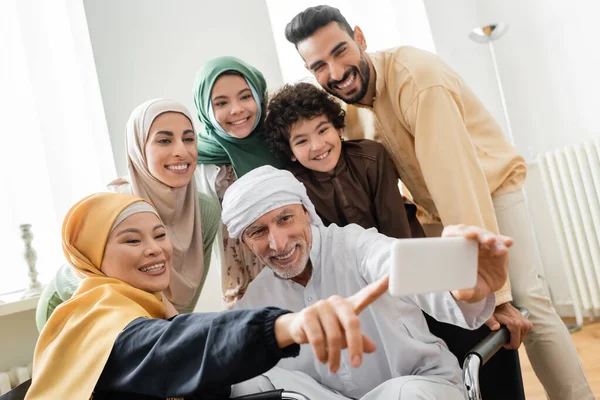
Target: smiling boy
<point>351,181</point>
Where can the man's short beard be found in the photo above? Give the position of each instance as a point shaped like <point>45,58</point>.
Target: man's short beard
<point>363,73</point>
<point>295,270</point>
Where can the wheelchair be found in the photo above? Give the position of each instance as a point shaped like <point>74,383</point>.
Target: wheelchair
<point>490,372</point>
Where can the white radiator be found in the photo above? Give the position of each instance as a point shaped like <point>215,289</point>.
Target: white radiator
<point>571,179</point>
<point>14,377</point>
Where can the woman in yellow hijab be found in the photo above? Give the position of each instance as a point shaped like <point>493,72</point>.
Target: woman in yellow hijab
<point>117,339</point>
<point>111,337</point>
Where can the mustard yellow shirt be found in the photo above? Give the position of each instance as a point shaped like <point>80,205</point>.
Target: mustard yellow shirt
<point>450,152</point>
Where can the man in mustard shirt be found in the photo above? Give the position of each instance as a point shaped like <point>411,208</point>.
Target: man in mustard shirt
<point>454,160</point>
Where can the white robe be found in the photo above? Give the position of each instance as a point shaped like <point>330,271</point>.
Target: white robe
<point>344,260</point>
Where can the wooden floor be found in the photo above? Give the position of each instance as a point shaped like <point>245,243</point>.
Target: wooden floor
<point>587,342</point>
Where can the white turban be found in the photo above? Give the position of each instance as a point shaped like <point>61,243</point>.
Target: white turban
<point>260,191</point>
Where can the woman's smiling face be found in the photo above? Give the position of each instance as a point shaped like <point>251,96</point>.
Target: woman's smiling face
<point>233,105</point>
<point>139,253</point>
<point>171,151</point>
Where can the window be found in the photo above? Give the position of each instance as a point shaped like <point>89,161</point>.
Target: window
<point>55,146</point>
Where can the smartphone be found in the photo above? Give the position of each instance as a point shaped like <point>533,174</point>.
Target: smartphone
<point>427,265</point>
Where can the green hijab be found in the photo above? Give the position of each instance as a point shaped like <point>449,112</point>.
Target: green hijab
<point>215,146</point>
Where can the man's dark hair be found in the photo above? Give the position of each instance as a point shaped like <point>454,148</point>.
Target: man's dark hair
<point>294,103</point>
<point>306,23</point>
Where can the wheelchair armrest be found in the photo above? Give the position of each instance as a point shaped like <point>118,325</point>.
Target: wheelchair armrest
<point>278,394</point>
<point>490,345</point>
<point>270,395</point>
<point>481,354</point>
<point>493,342</point>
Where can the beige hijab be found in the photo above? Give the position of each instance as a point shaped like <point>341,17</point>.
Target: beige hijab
<point>178,208</point>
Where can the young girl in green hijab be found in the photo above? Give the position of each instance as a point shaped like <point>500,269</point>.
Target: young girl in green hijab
<point>230,98</point>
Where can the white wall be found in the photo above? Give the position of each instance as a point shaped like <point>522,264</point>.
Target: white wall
<point>549,63</point>
<point>153,48</point>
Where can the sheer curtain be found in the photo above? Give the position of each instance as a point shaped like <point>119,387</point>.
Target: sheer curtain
<point>55,146</point>
<point>385,23</point>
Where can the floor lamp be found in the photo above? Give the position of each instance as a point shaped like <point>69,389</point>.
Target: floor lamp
<point>487,35</point>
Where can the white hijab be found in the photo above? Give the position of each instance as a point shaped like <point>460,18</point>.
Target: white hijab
<point>178,207</point>
<point>260,191</point>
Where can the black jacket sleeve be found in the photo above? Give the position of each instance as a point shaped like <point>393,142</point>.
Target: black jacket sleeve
<point>193,355</point>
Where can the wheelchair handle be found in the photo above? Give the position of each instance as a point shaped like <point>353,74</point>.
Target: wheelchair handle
<point>480,354</point>
<point>270,395</point>
<point>277,394</point>
<point>493,342</point>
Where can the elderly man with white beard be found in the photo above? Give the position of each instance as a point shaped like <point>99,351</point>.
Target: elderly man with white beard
<point>268,209</point>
